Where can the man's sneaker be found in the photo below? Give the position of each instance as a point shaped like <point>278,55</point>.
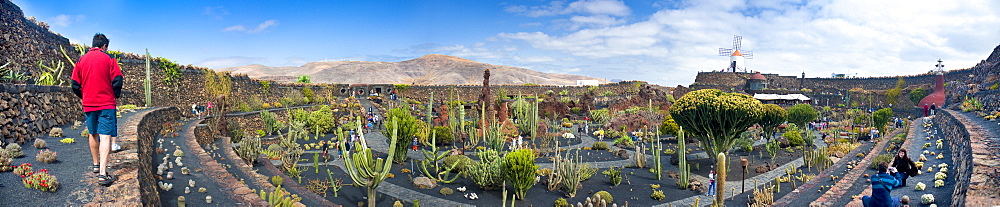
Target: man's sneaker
<point>115,147</point>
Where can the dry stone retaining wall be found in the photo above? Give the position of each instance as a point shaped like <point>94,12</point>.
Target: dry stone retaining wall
<point>956,135</point>
<point>27,111</point>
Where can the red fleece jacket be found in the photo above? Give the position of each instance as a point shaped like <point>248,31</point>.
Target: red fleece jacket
<point>97,80</point>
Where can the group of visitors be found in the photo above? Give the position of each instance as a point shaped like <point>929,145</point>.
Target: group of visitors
<point>889,176</point>
<point>199,110</point>
<point>930,110</point>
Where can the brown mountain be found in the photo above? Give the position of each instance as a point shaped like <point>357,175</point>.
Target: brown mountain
<point>426,70</point>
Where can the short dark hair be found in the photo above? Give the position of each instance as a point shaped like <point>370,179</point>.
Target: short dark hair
<point>100,40</point>
<point>883,167</point>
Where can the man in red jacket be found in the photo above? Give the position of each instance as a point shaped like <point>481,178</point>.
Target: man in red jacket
<point>97,80</point>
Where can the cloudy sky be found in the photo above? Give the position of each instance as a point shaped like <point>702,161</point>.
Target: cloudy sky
<point>661,41</point>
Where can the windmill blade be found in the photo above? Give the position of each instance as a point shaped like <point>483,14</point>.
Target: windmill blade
<point>747,54</point>
<point>737,42</point>
<point>725,51</point>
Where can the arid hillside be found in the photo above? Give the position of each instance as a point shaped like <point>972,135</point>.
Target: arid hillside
<point>427,70</point>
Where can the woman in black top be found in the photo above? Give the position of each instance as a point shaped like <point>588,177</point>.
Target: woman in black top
<point>904,165</point>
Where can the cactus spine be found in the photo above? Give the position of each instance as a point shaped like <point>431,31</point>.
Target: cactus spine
<point>720,179</point>
<point>363,169</point>
<point>682,164</point>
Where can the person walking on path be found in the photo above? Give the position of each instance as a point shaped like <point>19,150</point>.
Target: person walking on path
<point>711,183</point>
<point>933,108</point>
<point>882,184</point>
<point>905,166</point>
<point>97,80</point>
<point>926,109</point>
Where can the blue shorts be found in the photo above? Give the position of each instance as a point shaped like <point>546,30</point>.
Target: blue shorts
<point>103,122</point>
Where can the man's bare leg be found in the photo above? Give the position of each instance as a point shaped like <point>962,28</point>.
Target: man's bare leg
<point>105,149</point>
<point>94,148</point>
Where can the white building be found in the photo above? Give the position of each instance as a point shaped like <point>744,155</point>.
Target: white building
<point>587,82</point>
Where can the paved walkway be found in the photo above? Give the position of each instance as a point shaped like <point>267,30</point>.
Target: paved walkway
<point>841,188</point>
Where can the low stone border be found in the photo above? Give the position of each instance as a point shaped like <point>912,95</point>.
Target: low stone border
<point>974,153</point>
<point>136,184</point>
<point>215,172</point>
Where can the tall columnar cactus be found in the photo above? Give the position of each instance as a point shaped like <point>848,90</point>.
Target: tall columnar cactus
<point>430,111</point>
<point>720,179</point>
<point>494,139</point>
<point>657,148</point>
<point>147,83</point>
<point>363,169</point>
<point>682,165</point>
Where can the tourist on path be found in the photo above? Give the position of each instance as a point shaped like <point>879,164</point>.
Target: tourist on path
<point>926,109</point>
<point>882,184</point>
<point>933,109</point>
<point>97,80</point>
<point>904,165</point>
<point>711,183</point>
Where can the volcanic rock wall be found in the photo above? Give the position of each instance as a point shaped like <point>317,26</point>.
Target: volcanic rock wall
<point>27,111</point>
<point>25,41</point>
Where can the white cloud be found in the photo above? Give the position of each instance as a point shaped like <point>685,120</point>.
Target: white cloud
<point>587,7</point>
<point>215,11</point>
<point>64,20</point>
<point>260,27</point>
<point>871,38</point>
<point>238,28</point>
<point>232,61</point>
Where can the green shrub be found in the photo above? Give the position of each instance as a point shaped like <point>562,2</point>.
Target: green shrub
<point>995,86</point>
<point>884,158</point>
<point>462,160</point>
<point>599,146</point>
<point>794,138</point>
<point>308,94</point>
<point>604,196</point>
<point>322,120</point>
<point>443,135</point>
<point>519,170</point>
<point>743,144</point>
<point>561,202</point>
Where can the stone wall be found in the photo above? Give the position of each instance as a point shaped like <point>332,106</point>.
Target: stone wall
<point>956,135</point>
<point>27,111</point>
<point>24,41</point>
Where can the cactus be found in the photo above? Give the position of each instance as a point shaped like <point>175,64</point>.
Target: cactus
<point>430,112</point>
<point>249,149</point>
<point>657,148</point>
<point>365,171</point>
<point>432,158</point>
<point>572,173</point>
<point>519,168</point>
<point>335,184</point>
<point>640,156</point>
<point>146,83</point>
<point>720,179</point>
<point>487,173</point>
<point>682,166</point>
<point>277,198</point>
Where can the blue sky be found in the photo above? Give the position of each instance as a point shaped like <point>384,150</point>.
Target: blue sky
<point>661,41</point>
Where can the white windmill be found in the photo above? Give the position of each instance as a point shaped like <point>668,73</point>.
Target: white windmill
<point>736,56</point>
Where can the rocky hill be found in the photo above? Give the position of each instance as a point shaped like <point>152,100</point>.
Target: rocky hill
<point>427,70</point>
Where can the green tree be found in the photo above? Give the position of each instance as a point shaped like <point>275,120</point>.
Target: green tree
<point>773,116</point>
<point>303,79</point>
<point>881,117</point>
<point>716,118</point>
<point>801,113</point>
<point>407,125</point>
<point>892,95</point>
<point>917,94</point>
